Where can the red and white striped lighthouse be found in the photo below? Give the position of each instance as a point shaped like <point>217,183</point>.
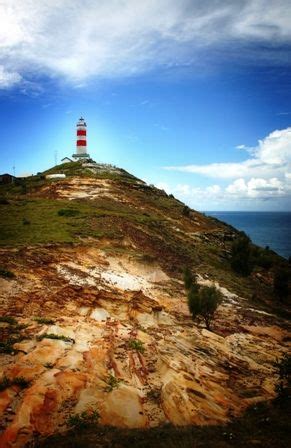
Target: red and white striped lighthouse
<point>81,144</point>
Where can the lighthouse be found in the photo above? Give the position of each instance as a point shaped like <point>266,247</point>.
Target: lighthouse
<point>81,143</point>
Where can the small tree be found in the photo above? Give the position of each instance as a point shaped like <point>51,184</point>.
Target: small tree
<point>203,303</point>
<point>193,301</point>
<point>241,255</point>
<point>209,297</point>
<point>189,279</point>
<point>280,283</point>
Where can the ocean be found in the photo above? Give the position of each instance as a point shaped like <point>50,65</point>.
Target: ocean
<point>271,229</point>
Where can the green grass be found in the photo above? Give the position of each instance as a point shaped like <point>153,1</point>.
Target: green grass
<point>61,221</point>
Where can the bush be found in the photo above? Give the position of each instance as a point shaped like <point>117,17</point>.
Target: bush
<point>189,279</point>
<point>241,255</point>
<point>203,303</point>
<point>54,336</point>
<point>68,212</point>
<point>112,383</point>
<point>137,345</point>
<point>186,211</point>
<point>44,320</point>
<point>83,420</point>
<point>6,274</point>
<point>8,319</point>
<point>284,372</point>
<point>17,381</point>
<point>281,283</point>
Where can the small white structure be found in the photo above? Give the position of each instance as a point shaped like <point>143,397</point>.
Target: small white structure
<point>66,160</point>
<point>55,176</point>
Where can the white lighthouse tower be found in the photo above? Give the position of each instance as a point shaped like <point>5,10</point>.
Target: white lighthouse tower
<point>81,144</point>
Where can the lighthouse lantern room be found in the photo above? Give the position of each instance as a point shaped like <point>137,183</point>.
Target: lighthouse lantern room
<point>81,144</point>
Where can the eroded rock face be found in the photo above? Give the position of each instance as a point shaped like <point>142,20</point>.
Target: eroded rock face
<point>124,344</point>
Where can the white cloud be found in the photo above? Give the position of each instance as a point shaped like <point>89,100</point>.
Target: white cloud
<point>271,158</point>
<point>257,188</point>
<point>79,40</point>
<point>8,79</point>
<point>266,175</point>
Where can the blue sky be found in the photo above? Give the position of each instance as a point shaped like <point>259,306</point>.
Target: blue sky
<point>194,98</point>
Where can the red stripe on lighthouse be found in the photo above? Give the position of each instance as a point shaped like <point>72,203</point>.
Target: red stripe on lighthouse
<point>81,143</point>
<point>80,132</point>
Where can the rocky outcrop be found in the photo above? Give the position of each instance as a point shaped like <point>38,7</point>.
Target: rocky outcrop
<point>127,347</point>
<point>102,324</point>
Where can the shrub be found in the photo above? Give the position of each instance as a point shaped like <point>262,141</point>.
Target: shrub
<point>68,212</point>
<point>112,383</point>
<point>8,319</point>
<point>7,348</point>
<point>4,383</point>
<point>44,320</point>
<point>6,274</point>
<point>186,211</point>
<point>284,372</point>
<point>203,303</point>
<point>137,345</point>
<point>21,382</point>
<point>281,283</point>
<point>54,336</point>
<point>241,255</point>
<point>17,381</point>
<point>154,395</point>
<point>189,279</point>
<point>49,365</point>
<point>83,420</point>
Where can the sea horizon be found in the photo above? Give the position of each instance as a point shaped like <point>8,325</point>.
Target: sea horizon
<point>265,228</point>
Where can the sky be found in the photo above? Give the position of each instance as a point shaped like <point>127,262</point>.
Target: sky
<point>193,97</point>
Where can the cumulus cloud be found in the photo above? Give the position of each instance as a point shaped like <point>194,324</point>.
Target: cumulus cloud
<point>79,40</point>
<point>264,176</point>
<point>271,158</point>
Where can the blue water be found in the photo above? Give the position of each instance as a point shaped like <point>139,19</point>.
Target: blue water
<point>271,229</point>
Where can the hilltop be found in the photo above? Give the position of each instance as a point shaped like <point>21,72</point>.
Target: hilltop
<point>95,317</point>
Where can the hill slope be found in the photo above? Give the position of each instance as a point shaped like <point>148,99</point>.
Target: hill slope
<point>94,311</point>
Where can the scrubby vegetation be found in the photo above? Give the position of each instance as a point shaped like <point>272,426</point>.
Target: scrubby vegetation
<point>83,420</point>
<point>17,381</point>
<point>44,320</point>
<point>8,319</point>
<point>241,259</point>
<point>112,383</point>
<point>281,283</point>
<point>68,212</point>
<point>263,425</point>
<point>59,337</point>
<point>136,344</point>
<point>6,274</point>
<point>48,365</point>
<point>202,300</point>
<point>284,373</point>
